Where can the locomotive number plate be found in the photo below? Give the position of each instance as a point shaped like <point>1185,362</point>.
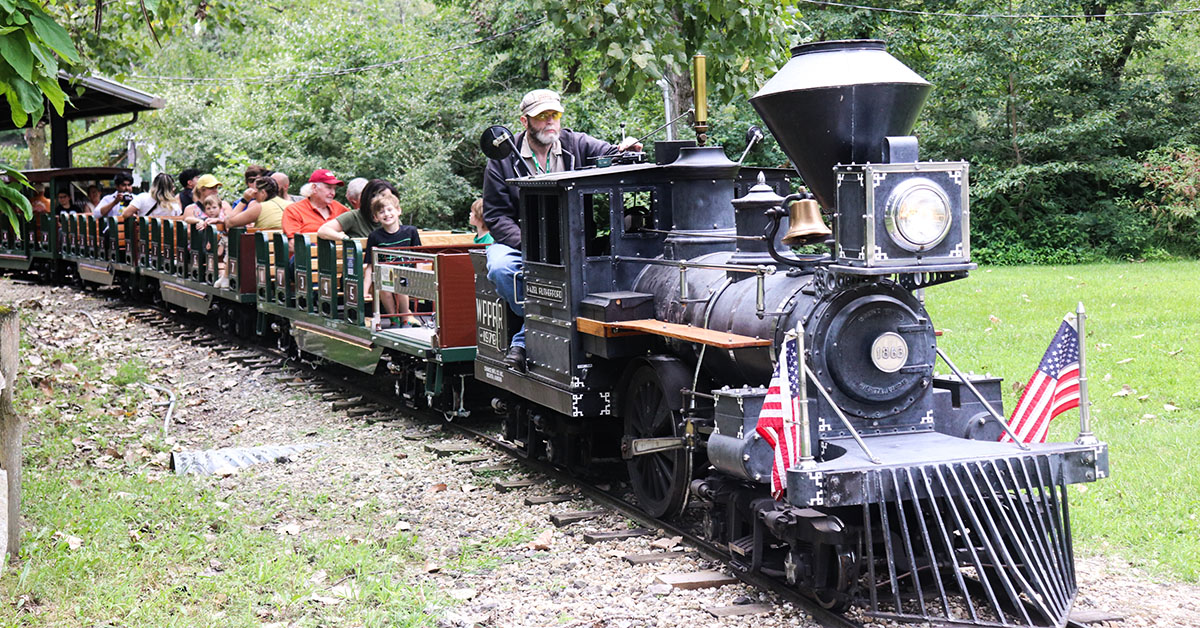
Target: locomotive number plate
<point>889,352</point>
<point>491,323</point>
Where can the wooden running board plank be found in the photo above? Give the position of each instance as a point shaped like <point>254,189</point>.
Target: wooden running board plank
<point>712,338</point>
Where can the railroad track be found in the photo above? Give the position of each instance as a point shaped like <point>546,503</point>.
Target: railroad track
<point>347,394</point>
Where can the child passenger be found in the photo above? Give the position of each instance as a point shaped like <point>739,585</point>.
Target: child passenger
<point>213,213</point>
<point>482,234</point>
<point>385,207</point>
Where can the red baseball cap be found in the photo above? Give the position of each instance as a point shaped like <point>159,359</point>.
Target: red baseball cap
<point>324,176</point>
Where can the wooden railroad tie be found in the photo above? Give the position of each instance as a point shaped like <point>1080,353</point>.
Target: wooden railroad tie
<point>346,403</point>
<point>567,518</point>
<point>507,485</point>
<point>492,468</point>
<point>696,580</point>
<point>470,459</point>
<point>1079,616</point>
<point>549,499</point>
<point>441,451</point>
<point>653,557</point>
<point>737,610</point>
<point>592,538</point>
<point>362,411</point>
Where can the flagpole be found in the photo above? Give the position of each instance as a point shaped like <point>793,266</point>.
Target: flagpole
<point>978,395</point>
<point>1086,437</point>
<point>806,461</point>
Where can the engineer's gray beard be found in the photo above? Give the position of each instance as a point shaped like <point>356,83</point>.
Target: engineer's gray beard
<point>546,137</point>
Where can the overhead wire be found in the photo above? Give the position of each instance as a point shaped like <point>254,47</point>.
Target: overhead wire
<point>1003,16</point>
<point>298,76</point>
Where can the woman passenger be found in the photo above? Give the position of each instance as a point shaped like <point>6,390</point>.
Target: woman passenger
<point>159,201</point>
<point>266,212</point>
<point>207,185</point>
<point>360,223</point>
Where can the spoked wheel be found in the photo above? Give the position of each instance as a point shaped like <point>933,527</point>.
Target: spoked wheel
<point>225,318</point>
<point>286,343</point>
<point>842,580</point>
<point>652,400</point>
<point>243,324</point>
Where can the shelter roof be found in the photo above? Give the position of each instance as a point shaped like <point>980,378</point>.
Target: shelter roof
<point>100,97</point>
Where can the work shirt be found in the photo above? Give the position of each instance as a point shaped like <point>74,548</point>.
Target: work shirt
<point>552,163</point>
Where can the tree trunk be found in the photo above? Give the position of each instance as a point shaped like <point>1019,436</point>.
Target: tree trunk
<point>12,425</point>
<point>682,98</point>
<point>35,138</point>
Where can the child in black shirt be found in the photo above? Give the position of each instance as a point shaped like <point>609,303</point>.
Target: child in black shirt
<point>385,207</point>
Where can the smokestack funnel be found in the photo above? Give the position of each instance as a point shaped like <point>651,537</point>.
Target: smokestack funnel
<point>834,102</point>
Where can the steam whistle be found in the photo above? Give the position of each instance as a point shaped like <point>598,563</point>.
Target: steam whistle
<point>700,90</point>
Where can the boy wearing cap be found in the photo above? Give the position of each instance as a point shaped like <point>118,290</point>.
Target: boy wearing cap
<point>543,147</point>
<point>308,215</point>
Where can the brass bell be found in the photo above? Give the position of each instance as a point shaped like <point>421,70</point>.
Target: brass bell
<point>805,225</point>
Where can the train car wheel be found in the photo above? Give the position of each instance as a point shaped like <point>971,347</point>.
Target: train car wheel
<point>660,480</point>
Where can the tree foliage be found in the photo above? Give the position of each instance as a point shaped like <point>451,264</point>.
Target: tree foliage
<point>641,41</point>
<point>1060,117</point>
<point>1052,113</point>
<point>31,42</point>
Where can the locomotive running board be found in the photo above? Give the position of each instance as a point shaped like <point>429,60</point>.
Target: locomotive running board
<point>699,335</point>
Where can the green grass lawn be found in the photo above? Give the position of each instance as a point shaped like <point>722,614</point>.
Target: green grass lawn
<point>1142,327</point>
<point>111,538</point>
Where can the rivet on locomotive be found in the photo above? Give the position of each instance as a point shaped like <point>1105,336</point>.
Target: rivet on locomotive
<point>657,297</point>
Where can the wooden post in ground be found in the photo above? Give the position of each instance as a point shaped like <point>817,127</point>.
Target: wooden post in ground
<point>12,429</point>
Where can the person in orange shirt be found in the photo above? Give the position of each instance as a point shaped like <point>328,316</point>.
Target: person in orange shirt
<point>308,215</point>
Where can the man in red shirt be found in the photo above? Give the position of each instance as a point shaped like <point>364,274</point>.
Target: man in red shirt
<point>309,214</point>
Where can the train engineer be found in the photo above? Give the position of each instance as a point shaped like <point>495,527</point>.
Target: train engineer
<point>543,147</point>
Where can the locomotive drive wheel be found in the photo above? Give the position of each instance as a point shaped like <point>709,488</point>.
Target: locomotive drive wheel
<point>660,480</point>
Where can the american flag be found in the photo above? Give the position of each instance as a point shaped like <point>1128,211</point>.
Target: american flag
<point>1053,389</point>
<point>779,421</point>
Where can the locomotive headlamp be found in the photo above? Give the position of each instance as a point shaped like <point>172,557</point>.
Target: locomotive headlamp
<point>918,214</point>
<point>905,216</point>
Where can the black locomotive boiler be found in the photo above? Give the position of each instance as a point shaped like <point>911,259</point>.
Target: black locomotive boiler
<point>657,298</point>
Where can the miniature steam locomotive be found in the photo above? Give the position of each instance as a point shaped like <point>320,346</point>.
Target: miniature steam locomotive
<point>657,297</point>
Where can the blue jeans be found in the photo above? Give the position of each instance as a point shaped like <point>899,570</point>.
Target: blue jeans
<point>503,263</point>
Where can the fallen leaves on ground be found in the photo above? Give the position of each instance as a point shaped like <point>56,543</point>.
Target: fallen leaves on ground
<point>543,541</point>
<point>667,542</point>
